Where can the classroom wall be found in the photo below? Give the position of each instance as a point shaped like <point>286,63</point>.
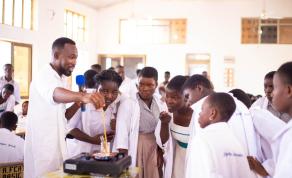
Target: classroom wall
<point>214,27</point>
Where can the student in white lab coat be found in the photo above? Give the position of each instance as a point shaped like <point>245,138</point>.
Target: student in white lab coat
<point>45,146</point>
<point>282,141</point>
<point>266,101</point>
<point>179,125</point>
<point>11,145</point>
<point>140,134</point>
<point>8,79</point>
<point>87,126</point>
<point>216,151</point>
<point>7,99</point>
<point>196,89</point>
<point>128,87</point>
<point>22,117</point>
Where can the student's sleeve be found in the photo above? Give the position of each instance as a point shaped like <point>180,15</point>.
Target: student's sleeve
<point>10,103</point>
<point>75,121</point>
<point>46,85</point>
<point>199,162</point>
<point>123,124</point>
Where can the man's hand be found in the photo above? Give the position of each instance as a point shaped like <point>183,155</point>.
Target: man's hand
<point>95,98</point>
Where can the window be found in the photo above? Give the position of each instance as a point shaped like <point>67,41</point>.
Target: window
<point>266,31</point>
<point>17,13</point>
<point>130,62</point>
<point>20,56</point>
<point>74,25</point>
<point>229,62</point>
<point>153,31</point>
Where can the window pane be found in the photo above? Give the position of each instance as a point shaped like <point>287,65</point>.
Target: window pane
<point>27,14</point>
<point>69,25</point>
<point>22,70</point>
<point>269,34</point>
<point>1,4</point>
<point>5,48</point>
<point>75,26</point>
<point>17,13</point>
<point>8,12</point>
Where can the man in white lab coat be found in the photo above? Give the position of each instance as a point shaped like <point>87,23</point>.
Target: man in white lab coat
<point>138,127</point>
<point>196,89</point>
<point>45,147</point>
<point>11,145</point>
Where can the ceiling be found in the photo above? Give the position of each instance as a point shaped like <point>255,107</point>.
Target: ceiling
<point>98,4</point>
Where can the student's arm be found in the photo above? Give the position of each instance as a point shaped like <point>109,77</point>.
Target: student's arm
<point>164,131</point>
<point>79,135</point>
<point>72,110</point>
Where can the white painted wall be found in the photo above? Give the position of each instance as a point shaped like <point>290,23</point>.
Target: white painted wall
<point>213,27</point>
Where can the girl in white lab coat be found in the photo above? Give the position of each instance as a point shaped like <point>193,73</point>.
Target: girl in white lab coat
<point>179,125</point>
<point>87,126</point>
<point>282,141</point>
<point>139,133</point>
<point>214,157</point>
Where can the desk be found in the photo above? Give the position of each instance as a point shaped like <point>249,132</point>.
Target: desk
<point>131,173</point>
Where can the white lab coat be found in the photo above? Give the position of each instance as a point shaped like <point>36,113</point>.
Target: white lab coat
<point>240,123</point>
<point>217,154</point>
<point>282,146</point>
<point>45,146</point>
<point>267,126</point>
<point>11,147</point>
<point>128,87</point>
<point>90,122</point>
<point>127,131</point>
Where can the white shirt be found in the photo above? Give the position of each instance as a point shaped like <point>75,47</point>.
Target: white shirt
<point>217,154</point>
<point>45,146</point>
<point>240,123</point>
<point>128,87</point>
<point>282,153</point>
<point>11,147</point>
<point>16,92</point>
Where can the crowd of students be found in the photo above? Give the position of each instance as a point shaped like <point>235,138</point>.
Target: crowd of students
<point>190,131</point>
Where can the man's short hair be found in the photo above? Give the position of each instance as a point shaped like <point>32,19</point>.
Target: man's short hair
<point>60,43</point>
<point>167,72</point>
<point>176,83</point>
<point>8,87</point>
